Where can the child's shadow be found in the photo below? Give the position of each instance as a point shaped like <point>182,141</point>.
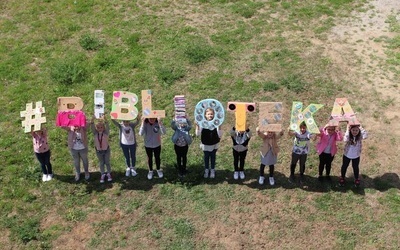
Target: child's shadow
<point>92,184</point>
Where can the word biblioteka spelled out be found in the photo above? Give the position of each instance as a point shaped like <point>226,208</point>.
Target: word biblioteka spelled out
<point>123,108</point>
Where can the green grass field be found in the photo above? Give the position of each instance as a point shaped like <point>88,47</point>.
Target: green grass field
<point>229,50</point>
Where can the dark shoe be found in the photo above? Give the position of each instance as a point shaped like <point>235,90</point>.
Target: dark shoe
<point>320,178</point>
<point>341,182</point>
<point>291,179</point>
<point>328,178</point>
<point>357,182</point>
<point>301,178</point>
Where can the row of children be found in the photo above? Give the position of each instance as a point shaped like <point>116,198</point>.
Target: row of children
<point>152,129</point>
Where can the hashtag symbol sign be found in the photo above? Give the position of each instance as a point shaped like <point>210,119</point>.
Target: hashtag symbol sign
<point>33,117</point>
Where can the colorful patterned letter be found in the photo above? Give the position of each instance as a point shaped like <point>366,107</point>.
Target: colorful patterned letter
<point>219,114</point>
<point>240,109</point>
<point>123,106</point>
<point>298,116</point>
<point>342,112</point>
<point>70,112</point>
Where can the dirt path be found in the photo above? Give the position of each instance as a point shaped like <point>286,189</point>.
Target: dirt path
<point>357,49</point>
<point>359,40</point>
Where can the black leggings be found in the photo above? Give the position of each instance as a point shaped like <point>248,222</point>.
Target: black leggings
<point>181,157</point>
<point>44,160</point>
<point>295,159</point>
<point>271,170</point>
<point>354,163</point>
<point>239,157</point>
<point>325,160</point>
<point>157,153</point>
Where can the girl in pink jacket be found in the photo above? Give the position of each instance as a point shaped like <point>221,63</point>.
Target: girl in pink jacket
<point>327,148</point>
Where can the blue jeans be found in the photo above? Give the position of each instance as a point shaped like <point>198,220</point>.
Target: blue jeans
<point>129,154</point>
<point>209,157</point>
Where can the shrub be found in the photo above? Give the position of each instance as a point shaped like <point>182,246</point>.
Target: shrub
<point>294,83</point>
<point>69,71</point>
<point>197,52</point>
<point>89,42</point>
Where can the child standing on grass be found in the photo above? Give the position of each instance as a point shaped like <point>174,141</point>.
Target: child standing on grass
<point>42,152</point>
<point>101,132</point>
<point>209,143</point>
<point>240,140</point>
<point>327,148</point>
<point>78,146</point>
<point>269,154</point>
<point>352,152</point>
<point>181,139</point>
<point>301,146</point>
<point>127,140</point>
<point>152,129</point>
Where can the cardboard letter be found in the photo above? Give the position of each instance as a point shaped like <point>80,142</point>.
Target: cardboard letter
<point>72,103</point>
<point>298,116</point>
<point>270,116</point>
<point>147,110</point>
<point>99,103</point>
<point>180,109</point>
<point>123,106</point>
<point>219,113</point>
<point>342,112</point>
<point>240,109</point>
<point>33,117</point>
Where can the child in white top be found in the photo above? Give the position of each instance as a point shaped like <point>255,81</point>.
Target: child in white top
<point>128,144</point>
<point>301,146</point>
<point>240,140</point>
<point>352,152</point>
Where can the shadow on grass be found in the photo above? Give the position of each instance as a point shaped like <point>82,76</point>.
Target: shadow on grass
<point>194,177</point>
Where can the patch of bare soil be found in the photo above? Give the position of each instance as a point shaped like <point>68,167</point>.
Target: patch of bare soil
<point>356,47</point>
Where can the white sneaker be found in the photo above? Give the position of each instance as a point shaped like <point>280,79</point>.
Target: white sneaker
<point>160,173</point>
<point>109,178</point>
<point>87,176</point>
<point>241,175</point>
<point>49,177</point>
<point>236,175</point>
<point>103,176</point>
<point>44,177</point>
<point>261,180</point>
<point>128,172</point>
<point>133,171</point>
<point>271,181</point>
<point>77,177</point>
<point>206,173</point>
<point>212,173</point>
<point>150,175</point>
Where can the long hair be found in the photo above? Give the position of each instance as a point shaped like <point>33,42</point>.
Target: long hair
<point>354,139</point>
